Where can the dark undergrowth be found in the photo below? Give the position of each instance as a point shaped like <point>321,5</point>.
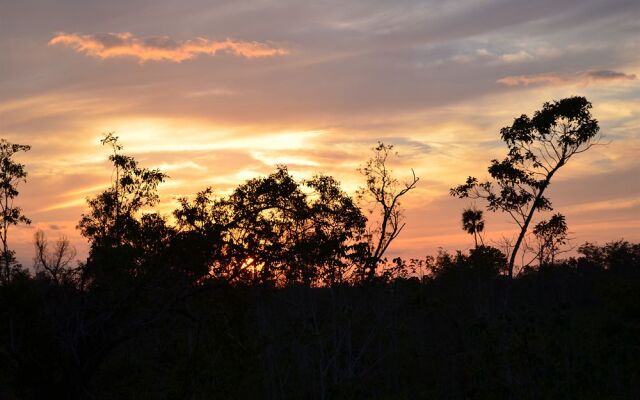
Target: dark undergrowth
<point>564,331</point>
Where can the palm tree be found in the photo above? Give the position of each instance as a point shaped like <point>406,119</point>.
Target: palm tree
<point>473,224</point>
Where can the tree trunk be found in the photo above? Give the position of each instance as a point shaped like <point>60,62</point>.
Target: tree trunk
<point>527,221</point>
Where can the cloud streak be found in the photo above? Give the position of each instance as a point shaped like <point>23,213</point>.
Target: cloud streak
<point>584,78</point>
<point>160,48</point>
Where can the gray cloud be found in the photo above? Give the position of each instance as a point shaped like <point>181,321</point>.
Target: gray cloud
<point>553,78</point>
<point>608,75</point>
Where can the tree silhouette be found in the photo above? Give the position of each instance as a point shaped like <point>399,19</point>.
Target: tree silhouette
<point>11,174</point>
<point>384,192</point>
<point>114,210</point>
<point>538,147</point>
<point>551,235</point>
<point>473,223</point>
<point>56,262</point>
<point>112,222</point>
<point>267,221</point>
<point>617,256</point>
<point>275,229</point>
<point>337,228</point>
<point>198,244</point>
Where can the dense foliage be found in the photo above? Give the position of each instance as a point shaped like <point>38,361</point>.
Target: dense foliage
<point>568,330</point>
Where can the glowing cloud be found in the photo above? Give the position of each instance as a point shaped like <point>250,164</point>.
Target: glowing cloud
<point>584,78</point>
<point>160,48</point>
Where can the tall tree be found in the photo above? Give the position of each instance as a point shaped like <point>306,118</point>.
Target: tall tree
<point>473,223</point>
<point>113,225</point>
<point>537,148</point>
<point>113,211</point>
<point>12,174</point>
<point>383,191</point>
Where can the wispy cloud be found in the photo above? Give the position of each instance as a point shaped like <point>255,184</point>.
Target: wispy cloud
<point>534,79</point>
<point>160,48</point>
<point>516,57</point>
<point>584,78</point>
<point>608,75</point>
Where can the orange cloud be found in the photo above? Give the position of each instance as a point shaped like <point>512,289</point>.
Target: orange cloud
<point>585,78</point>
<point>160,48</point>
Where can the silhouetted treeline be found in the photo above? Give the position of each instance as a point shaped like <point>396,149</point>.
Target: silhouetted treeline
<point>568,330</point>
<point>281,289</point>
<point>272,230</point>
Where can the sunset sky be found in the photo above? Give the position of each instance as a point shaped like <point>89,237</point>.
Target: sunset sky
<point>216,92</point>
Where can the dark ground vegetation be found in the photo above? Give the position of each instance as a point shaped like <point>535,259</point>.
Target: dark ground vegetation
<point>569,330</point>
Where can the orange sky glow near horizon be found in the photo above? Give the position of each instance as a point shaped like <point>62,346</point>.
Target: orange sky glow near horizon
<point>217,93</point>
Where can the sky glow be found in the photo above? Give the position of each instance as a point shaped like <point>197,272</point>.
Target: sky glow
<point>216,93</point>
